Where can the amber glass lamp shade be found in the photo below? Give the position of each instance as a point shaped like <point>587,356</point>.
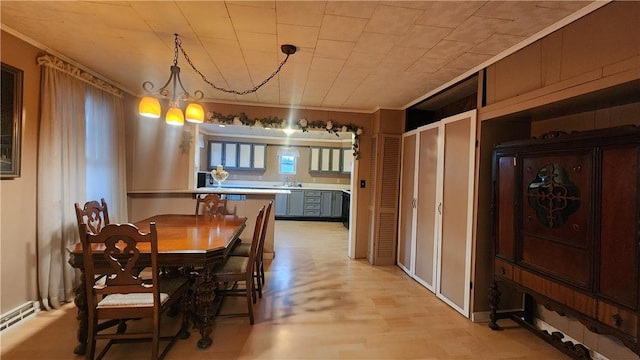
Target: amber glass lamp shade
<point>149,107</point>
<point>194,113</point>
<point>174,116</point>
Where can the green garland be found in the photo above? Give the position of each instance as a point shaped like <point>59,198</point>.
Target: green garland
<point>330,126</point>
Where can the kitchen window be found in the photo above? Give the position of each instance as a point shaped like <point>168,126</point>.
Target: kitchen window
<point>288,161</point>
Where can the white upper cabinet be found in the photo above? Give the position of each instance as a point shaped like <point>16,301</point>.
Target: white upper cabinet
<point>314,161</point>
<point>336,157</point>
<point>242,156</point>
<point>328,159</point>
<point>230,155</point>
<point>259,156</point>
<point>347,160</point>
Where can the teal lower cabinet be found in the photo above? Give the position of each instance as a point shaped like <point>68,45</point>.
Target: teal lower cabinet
<point>309,205</point>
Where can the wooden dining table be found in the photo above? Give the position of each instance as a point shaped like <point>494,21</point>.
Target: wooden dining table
<point>187,243</point>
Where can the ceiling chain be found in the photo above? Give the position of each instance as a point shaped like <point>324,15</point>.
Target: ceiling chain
<point>286,49</point>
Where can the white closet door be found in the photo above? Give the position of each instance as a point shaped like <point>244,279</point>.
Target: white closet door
<point>456,210</point>
<point>406,227</point>
<point>426,229</point>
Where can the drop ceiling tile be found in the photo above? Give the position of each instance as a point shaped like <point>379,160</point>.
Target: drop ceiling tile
<point>356,9</point>
<point>424,37</point>
<point>260,59</point>
<point>376,43</point>
<point>476,29</point>
<point>321,78</point>
<point>497,43</point>
<point>341,28</point>
<point>334,49</point>
<point>506,10</point>
<point>260,4</point>
<point>449,14</point>
<point>448,50</point>
<point>392,20</point>
<point>252,19</point>
<point>467,61</point>
<point>258,42</point>
<point>305,13</point>
<point>326,64</point>
<point>209,19</point>
<point>401,54</point>
<point>386,67</point>
<point>427,65</point>
<point>144,31</point>
<point>365,61</point>
<point>298,35</point>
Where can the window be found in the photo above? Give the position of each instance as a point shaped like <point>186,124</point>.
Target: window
<point>288,159</point>
<point>287,164</point>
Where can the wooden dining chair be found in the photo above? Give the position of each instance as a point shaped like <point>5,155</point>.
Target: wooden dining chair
<point>94,214</point>
<point>244,249</point>
<point>237,271</point>
<point>211,205</point>
<point>116,251</point>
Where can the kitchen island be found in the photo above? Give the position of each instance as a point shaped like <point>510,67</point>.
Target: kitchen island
<point>244,201</point>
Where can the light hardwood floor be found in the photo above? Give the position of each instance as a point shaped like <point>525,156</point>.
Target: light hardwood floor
<point>317,304</point>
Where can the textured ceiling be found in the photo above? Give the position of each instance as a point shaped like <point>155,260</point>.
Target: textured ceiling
<point>351,55</point>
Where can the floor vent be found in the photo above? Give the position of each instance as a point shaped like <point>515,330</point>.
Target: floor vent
<point>15,316</point>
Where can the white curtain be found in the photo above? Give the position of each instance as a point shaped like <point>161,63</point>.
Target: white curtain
<point>81,133</point>
<point>105,172</point>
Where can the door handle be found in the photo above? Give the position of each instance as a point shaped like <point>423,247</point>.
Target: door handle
<point>440,208</point>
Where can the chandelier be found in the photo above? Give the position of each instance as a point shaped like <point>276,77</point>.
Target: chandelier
<point>173,90</point>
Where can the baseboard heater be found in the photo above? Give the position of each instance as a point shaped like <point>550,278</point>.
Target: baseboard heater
<point>18,314</point>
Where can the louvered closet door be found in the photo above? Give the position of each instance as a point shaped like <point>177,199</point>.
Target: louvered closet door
<point>407,204</point>
<point>426,228</point>
<point>383,205</point>
<point>456,210</point>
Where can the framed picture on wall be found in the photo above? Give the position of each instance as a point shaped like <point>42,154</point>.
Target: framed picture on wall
<point>10,121</point>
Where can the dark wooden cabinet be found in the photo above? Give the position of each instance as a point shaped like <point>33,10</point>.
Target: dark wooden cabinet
<point>567,229</point>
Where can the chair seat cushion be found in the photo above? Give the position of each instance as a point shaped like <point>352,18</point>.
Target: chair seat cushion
<point>233,265</point>
<point>131,299</point>
<point>241,249</point>
<point>168,286</point>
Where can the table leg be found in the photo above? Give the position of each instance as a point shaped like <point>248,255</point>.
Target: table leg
<point>204,308</point>
<point>80,299</point>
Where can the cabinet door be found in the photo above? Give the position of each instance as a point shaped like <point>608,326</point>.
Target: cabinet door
<point>215,154</point>
<point>259,156</point>
<point>336,156</point>
<point>506,202</point>
<point>426,225</point>
<point>336,205</point>
<point>281,204</point>
<point>296,203</point>
<point>347,160</point>
<point>325,159</point>
<point>244,156</point>
<point>619,225</point>
<point>457,159</point>
<point>326,203</point>
<point>314,161</point>
<point>231,155</point>
<point>407,203</point>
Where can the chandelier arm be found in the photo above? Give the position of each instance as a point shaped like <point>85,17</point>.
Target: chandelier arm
<point>231,91</point>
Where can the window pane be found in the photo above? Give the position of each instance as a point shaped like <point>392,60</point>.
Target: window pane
<point>287,164</point>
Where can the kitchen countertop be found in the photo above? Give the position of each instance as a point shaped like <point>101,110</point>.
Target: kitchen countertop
<point>216,190</point>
